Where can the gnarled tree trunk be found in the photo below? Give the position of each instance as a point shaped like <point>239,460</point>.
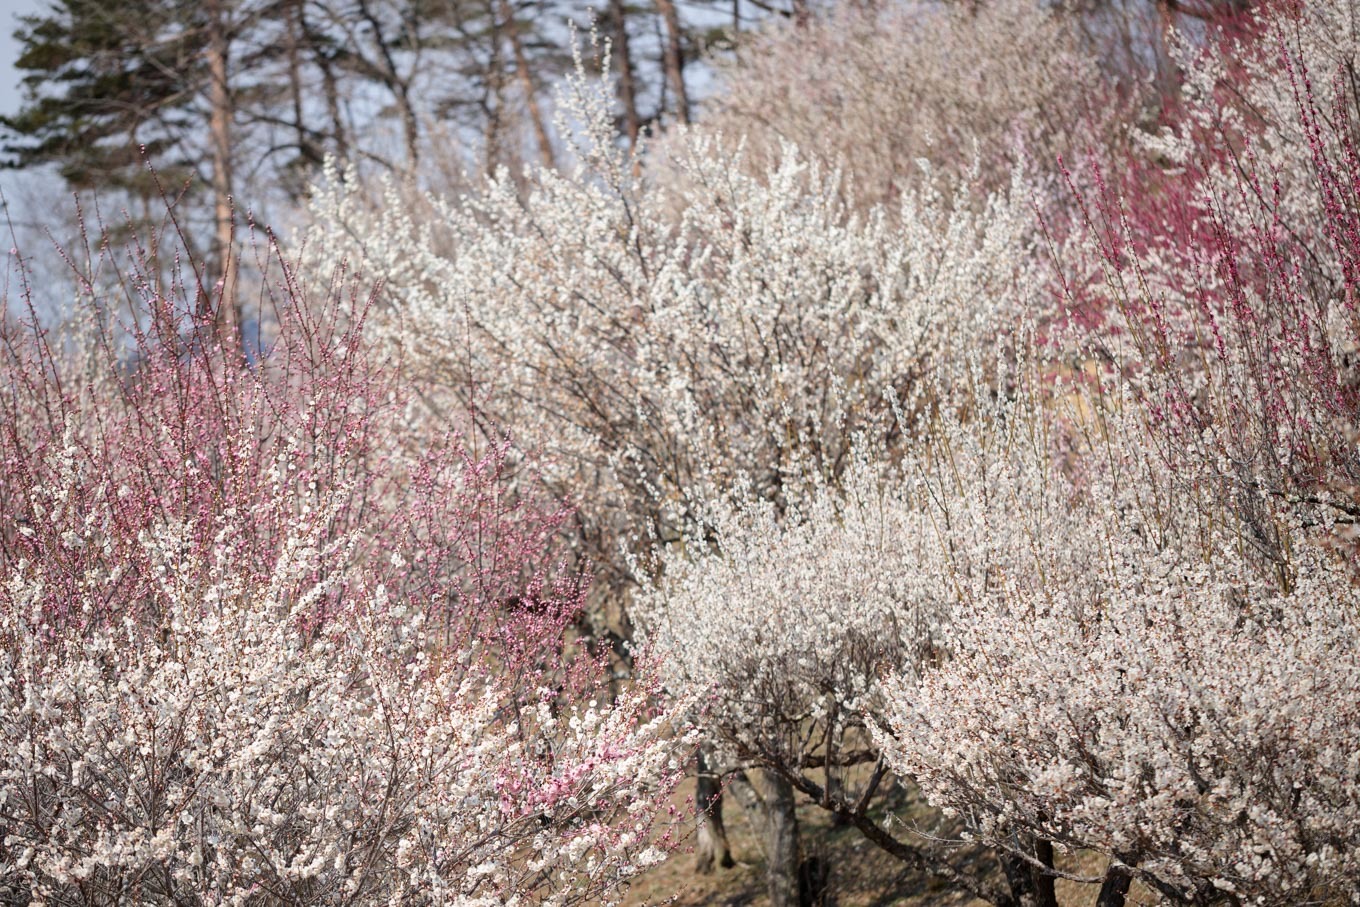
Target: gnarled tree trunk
<point>1115,890</point>
<point>781,840</point>
<point>712,846</point>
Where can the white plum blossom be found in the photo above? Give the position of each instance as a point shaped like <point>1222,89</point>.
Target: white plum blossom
<point>234,752</point>
<point>652,333</point>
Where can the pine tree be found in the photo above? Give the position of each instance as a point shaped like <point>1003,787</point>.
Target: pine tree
<point>108,88</point>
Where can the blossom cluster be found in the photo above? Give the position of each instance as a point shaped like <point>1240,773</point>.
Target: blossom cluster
<point>654,333</point>
<point>1154,684</point>
<point>876,88</point>
<point>255,646</point>
<point>892,504</point>
<point>228,756</point>
<point>1131,537</point>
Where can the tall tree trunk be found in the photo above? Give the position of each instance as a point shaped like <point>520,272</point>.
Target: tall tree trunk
<point>673,56</point>
<point>1020,880</point>
<point>712,845</point>
<point>330,89</point>
<point>1030,885</point>
<point>1167,78</point>
<point>623,62</point>
<point>493,104</point>
<point>297,29</point>
<point>227,306</point>
<point>1044,893</point>
<point>398,85</point>
<point>526,85</point>
<point>781,841</point>
<point>1115,889</point>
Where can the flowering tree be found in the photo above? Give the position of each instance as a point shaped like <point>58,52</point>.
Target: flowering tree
<point>876,88</point>
<point>786,616</point>
<point>254,648</point>
<point>1111,664</point>
<point>1163,694</point>
<point>795,615</point>
<point>232,756</point>
<point>1061,589</point>
<point>656,333</point>
<point>1168,698</point>
<point>664,334</point>
<point>1237,310</point>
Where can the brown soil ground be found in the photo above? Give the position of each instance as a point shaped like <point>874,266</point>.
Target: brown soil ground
<point>861,874</point>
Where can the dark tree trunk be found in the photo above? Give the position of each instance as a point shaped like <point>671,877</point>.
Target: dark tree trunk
<point>1044,894</point>
<point>1020,879</point>
<point>781,841</point>
<point>1115,889</point>
<point>293,49</point>
<point>493,103</point>
<point>398,85</point>
<point>1030,884</point>
<point>814,882</point>
<point>623,64</point>
<point>526,85</point>
<point>227,312</point>
<point>712,845</point>
<point>330,90</point>
<point>673,54</point>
